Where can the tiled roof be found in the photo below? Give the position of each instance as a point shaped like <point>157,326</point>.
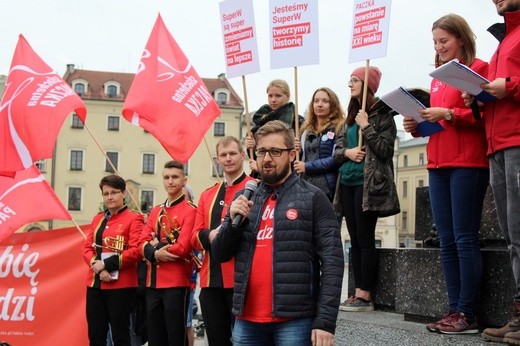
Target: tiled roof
<point>97,79</point>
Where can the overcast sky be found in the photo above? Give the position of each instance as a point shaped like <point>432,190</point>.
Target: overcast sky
<point>111,35</point>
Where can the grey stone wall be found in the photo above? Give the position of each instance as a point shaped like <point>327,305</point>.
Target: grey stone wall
<point>411,281</point>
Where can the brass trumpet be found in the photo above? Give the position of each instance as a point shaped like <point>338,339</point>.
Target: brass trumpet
<point>116,244</point>
<point>172,229</point>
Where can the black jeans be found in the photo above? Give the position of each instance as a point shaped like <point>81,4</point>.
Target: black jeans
<point>216,304</point>
<point>361,228</point>
<point>112,307</point>
<point>167,309</point>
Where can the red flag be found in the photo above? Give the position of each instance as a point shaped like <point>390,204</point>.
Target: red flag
<point>35,103</point>
<point>167,97</point>
<point>27,198</point>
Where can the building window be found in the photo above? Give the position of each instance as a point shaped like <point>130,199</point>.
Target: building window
<point>112,91</point>
<point>114,158</point>
<point>421,159</point>
<point>79,88</point>
<point>146,201</point>
<point>113,123</point>
<point>404,220</point>
<point>405,188</point>
<point>74,200</point>
<point>420,183</point>
<point>222,98</point>
<point>186,168</point>
<point>219,169</point>
<point>405,160</point>
<point>41,165</point>
<point>148,163</point>
<point>76,122</point>
<point>76,160</point>
<point>219,129</point>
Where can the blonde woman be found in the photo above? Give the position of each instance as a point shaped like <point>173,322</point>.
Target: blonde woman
<point>318,140</point>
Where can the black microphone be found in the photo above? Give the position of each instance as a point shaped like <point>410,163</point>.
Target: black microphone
<point>251,187</point>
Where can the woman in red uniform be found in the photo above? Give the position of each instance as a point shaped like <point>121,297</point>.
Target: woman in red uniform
<point>111,253</point>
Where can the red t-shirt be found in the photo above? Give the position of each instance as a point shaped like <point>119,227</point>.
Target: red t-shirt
<point>258,305</point>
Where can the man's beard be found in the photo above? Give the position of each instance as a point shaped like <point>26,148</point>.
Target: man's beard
<point>511,7</point>
<point>273,178</point>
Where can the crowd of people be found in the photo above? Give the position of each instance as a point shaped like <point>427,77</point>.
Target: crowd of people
<point>273,260</point>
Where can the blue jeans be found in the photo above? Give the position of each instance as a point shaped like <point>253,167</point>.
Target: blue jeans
<point>295,332</point>
<point>457,196</point>
<point>505,181</point>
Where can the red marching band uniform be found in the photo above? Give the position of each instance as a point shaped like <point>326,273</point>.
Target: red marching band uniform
<point>125,224</point>
<point>213,206</point>
<point>169,274</point>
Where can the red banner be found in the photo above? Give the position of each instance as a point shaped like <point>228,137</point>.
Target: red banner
<point>42,288</point>
<point>27,198</point>
<point>167,97</point>
<point>35,103</point>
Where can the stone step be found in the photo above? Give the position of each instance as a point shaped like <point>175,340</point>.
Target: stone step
<point>390,328</point>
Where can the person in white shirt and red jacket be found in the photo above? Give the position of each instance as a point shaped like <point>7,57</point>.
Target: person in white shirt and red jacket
<point>165,244</point>
<point>111,252</point>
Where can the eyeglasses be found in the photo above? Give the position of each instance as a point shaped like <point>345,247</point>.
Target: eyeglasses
<point>353,81</point>
<point>274,152</point>
<point>111,193</point>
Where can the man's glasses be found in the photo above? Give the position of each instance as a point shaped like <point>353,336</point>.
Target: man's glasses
<point>111,193</point>
<point>274,152</point>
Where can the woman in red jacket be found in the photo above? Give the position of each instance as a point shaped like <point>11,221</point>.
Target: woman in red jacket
<point>111,253</point>
<point>458,177</point>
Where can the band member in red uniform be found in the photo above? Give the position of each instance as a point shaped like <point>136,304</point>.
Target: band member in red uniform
<point>165,243</point>
<point>216,279</point>
<point>111,252</point>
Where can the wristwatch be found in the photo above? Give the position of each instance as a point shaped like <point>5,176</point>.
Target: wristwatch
<point>448,116</point>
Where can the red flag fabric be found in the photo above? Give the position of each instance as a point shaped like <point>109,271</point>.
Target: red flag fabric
<point>35,103</point>
<point>27,198</point>
<point>168,98</point>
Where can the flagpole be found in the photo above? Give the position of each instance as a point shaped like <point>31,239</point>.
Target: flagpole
<point>112,165</point>
<point>78,228</point>
<point>364,102</point>
<point>212,161</point>
<point>296,116</point>
<point>248,116</point>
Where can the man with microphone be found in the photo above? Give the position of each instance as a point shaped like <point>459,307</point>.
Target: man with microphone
<point>287,249</point>
<point>216,279</point>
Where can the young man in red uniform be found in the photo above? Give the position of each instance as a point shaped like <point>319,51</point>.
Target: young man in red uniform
<point>112,247</point>
<point>166,246</point>
<point>216,279</point>
<point>288,254</point>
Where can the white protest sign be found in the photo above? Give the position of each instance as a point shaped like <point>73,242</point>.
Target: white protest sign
<point>370,22</point>
<point>294,33</point>
<point>238,30</point>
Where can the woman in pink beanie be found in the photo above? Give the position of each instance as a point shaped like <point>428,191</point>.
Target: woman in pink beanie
<point>365,189</point>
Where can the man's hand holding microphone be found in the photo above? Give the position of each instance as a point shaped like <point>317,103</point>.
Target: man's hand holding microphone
<point>241,206</point>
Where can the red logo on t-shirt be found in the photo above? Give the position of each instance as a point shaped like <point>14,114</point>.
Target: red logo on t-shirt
<point>291,214</point>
